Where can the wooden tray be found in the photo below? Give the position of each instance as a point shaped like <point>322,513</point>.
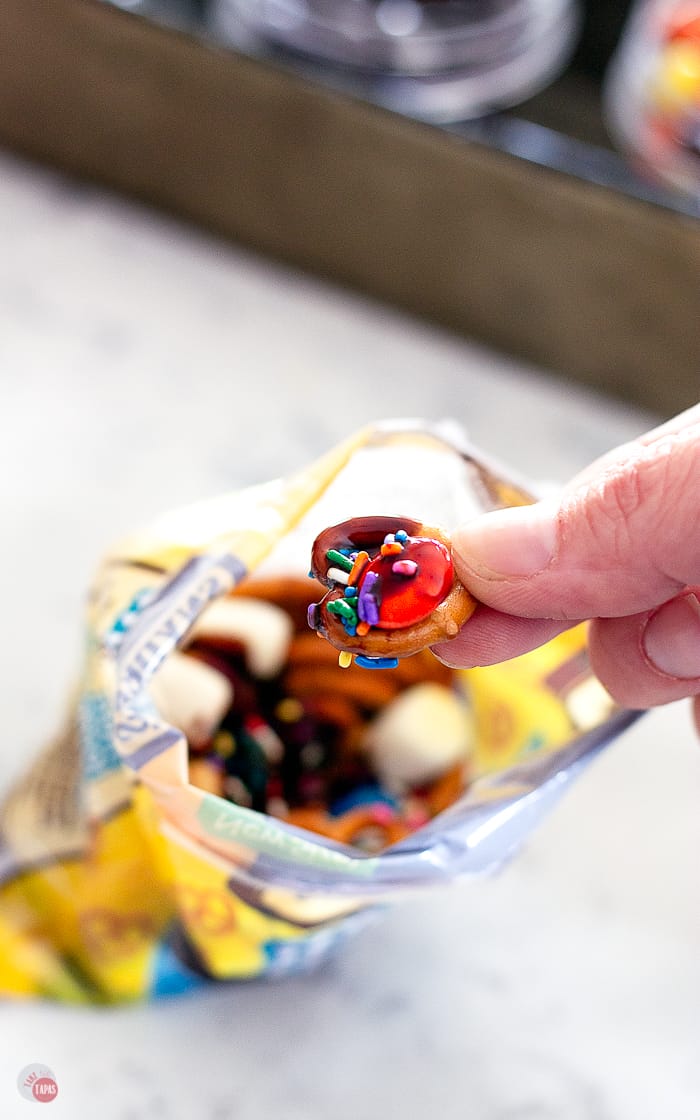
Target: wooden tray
<point>575,277</point>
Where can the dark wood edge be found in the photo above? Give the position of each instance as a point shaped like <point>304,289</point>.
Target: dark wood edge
<point>569,276</point>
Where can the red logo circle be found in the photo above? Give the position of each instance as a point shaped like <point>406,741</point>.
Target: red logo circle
<point>44,1089</point>
<point>36,1082</point>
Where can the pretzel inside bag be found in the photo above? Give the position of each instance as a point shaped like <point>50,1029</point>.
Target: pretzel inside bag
<point>273,725</point>
<point>392,586</point>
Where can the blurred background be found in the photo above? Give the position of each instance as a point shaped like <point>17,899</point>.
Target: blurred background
<point>223,251</point>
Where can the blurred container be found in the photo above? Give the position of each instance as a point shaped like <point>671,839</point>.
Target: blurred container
<point>652,93</point>
<point>438,60</point>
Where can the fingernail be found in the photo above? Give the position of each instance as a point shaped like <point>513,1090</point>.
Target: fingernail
<point>509,542</point>
<point>671,638</point>
<point>440,652</point>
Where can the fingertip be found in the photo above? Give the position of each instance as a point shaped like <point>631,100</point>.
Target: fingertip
<point>507,543</point>
<point>444,654</point>
<point>491,636</point>
<point>671,638</point>
<point>621,661</point>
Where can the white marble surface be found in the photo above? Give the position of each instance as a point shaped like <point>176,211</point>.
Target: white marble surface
<point>143,365</point>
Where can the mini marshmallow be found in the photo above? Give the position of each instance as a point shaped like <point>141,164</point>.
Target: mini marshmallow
<point>421,734</point>
<point>191,696</point>
<point>263,629</point>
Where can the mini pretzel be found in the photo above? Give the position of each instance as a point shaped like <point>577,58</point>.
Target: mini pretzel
<point>392,589</point>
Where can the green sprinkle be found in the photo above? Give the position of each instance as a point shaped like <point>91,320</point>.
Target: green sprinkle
<point>343,609</point>
<point>337,558</point>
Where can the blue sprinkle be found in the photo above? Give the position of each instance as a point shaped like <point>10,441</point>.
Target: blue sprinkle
<point>376,662</point>
<point>350,592</point>
<point>368,794</point>
<point>350,629</point>
<point>401,535</point>
<point>345,551</point>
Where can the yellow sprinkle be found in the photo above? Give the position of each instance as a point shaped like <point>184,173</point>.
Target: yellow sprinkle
<point>344,659</point>
<point>224,744</point>
<point>289,710</point>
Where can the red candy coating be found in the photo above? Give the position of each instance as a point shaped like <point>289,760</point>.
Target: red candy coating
<point>403,602</point>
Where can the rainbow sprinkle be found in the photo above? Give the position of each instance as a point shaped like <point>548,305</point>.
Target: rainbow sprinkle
<point>359,608</point>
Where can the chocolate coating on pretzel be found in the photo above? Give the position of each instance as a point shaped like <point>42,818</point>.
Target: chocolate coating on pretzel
<point>392,587</point>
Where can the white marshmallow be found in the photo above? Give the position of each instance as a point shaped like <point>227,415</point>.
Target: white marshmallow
<point>191,696</point>
<point>263,629</point>
<point>418,736</point>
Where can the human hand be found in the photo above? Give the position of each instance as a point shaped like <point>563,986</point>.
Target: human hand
<point>621,546</point>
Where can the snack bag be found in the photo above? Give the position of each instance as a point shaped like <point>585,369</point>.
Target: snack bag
<point>224,802</point>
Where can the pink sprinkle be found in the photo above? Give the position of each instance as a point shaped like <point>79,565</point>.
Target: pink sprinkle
<point>382,813</point>
<point>404,567</point>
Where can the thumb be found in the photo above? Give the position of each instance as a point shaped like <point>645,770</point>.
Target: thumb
<point>623,538</point>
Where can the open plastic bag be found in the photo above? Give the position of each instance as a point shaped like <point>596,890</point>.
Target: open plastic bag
<point>122,880</point>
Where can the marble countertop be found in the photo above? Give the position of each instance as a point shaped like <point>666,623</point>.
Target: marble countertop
<point>144,365</point>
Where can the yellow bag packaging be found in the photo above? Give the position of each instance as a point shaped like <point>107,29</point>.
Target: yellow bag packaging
<point>122,880</point>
